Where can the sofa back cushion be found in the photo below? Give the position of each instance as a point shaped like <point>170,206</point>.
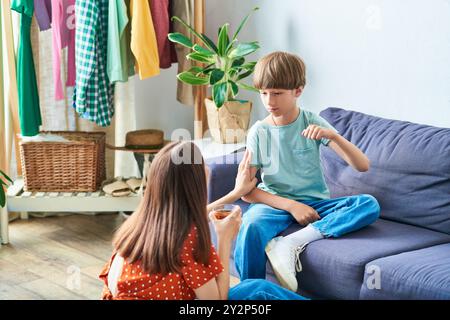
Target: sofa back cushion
<point>409,167</point>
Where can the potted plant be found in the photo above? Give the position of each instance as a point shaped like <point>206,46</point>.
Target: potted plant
<point>3,185</point>
<point>224,69</point>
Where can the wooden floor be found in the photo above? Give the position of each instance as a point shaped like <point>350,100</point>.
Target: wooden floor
<point>57,257</point>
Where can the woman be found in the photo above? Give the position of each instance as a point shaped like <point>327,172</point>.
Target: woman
<point>163,251</point>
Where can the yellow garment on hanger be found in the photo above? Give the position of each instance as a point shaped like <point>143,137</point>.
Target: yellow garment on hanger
<point>143,39</point>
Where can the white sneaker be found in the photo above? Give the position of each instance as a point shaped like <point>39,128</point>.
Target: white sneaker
<point>285,261</point>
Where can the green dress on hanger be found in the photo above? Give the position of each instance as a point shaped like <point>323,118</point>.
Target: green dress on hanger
<point>29,111</point>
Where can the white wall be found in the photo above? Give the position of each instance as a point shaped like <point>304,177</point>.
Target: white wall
<point>389,58</point>
<point>157,106</point>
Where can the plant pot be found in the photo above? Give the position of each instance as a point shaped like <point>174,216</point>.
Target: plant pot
<point>229,123</point>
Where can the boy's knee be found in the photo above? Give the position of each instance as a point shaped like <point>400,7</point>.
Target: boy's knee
<point>250,224</point>
<point>374,206</point>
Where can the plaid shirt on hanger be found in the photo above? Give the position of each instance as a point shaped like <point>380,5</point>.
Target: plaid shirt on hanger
<point>93,95</point>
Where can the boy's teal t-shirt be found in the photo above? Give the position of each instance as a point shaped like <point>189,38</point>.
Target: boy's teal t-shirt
<point>289,162</point>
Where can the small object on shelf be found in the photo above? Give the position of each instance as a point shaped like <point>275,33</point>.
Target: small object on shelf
<point>117,188</point>
<point>76,163</point>
<point>143,141</point>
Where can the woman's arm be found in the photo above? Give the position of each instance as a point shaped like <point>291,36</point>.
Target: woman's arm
<point>245,182</point>
<point>217,288</point>
<point>226,230</point>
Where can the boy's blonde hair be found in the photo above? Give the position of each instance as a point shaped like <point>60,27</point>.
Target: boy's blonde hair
<point>279,70</point>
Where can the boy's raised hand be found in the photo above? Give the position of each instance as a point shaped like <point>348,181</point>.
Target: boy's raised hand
<point>303,213</point>
<point>316,132</point>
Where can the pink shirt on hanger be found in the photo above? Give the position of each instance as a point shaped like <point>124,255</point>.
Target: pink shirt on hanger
<point>63,26</point>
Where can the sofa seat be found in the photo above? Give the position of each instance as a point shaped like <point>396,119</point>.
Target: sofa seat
<point>418,274</point>
<point>335,268</point>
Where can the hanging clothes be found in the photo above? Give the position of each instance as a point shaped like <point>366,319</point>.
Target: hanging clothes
<point>43,13</point>
<point>120,63</point>
<point>63,27</point>
<point>29,110</point>
<point>185,10</point>
<point>143,39</point>
<point>160,15</point>
<point>93,94</point>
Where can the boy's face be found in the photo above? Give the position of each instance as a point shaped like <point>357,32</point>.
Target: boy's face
<point>280,101</point>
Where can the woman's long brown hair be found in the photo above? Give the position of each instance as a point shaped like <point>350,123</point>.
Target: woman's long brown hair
<point>174,201</point>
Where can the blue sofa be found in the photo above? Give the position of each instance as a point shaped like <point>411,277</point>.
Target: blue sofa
<point>403,255</point>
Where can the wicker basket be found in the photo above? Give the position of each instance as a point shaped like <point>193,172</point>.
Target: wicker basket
<point>76,165</point>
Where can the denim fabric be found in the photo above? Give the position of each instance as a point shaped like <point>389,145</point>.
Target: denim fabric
<point>261,223</point>
<point>258,289</point>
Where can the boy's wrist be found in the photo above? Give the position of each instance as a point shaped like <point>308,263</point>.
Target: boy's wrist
<point>289,205</point>
<point>333,136</point>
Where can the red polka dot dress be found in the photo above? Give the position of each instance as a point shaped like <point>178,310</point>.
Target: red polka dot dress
<point>135,284</point>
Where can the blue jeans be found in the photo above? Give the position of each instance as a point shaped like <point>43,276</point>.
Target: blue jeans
<point>258,289</point>
<point>261,223</point>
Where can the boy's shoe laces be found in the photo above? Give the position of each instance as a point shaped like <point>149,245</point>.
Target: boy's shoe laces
<point>297,252</point>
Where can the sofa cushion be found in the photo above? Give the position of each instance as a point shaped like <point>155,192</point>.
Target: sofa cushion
<point>409,172</point>
<point>419,274</point>
<point>334,268</point>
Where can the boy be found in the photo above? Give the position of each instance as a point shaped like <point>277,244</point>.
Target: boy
<point>285,147</point>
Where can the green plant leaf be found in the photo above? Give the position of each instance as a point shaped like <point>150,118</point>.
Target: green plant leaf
<point>209,44</point>
<point>216,76</point>
<point>2,194</point>
<point>200,49</point>
<point>244,21</point>
<point>244,75</point>
<point>244,49</point>
<point>6,176</point>
<point>249,65</point>
<point>199,57</point>
<point>192,79</point>
<point>247,87</point>
<point>233,72</point>
<point>219,92</point>
<point>230,46</point>
<point>238,62</point>
<point>180,38</point>
<point>195,70</point>
<point>234,87</point>
<point>223,40</point>
<point>2,197</point>
<point>208,70</point>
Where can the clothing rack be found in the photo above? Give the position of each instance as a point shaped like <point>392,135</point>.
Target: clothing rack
<point>12,94</point>
<point>200,123</point>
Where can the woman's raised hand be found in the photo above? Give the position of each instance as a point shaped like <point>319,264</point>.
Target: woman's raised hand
<point>245,179</point>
